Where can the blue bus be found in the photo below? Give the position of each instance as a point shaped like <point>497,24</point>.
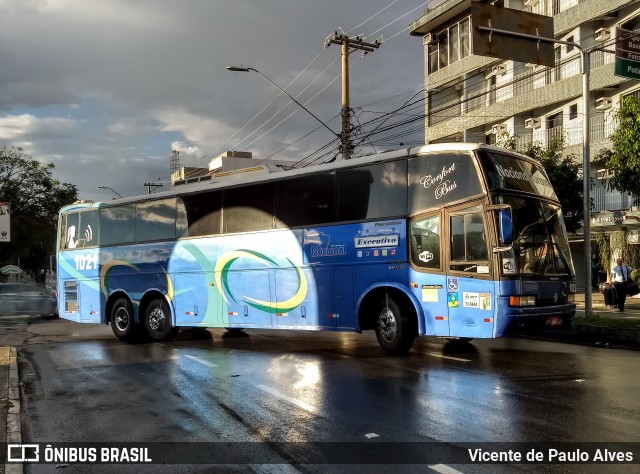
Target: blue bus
<point>459,241</point>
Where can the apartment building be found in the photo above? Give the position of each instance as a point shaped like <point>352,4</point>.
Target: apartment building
<point>476,98</point>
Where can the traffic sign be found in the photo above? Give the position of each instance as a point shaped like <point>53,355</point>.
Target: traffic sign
<point>527,50</point>
<point>628,54</point>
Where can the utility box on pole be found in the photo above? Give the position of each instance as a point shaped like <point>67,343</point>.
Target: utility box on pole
<point>515,49</point>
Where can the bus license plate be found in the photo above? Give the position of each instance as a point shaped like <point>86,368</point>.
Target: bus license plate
<point>554,321</point>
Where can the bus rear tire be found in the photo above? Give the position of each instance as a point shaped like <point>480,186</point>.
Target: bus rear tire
<point>122,322</point>
<point>158,321</point>
<point>393,328</point>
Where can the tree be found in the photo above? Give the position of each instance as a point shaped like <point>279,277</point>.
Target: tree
<point>565,174</point>
<point>623,158</point>
<point>35,198</point>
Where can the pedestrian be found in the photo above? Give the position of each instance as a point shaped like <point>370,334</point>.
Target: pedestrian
<point>620,278</point>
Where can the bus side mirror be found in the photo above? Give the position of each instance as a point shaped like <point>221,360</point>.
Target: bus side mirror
<point>505,227</point>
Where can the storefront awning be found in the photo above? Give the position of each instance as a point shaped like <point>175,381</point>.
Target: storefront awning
<point>613,221</point>
<point>11,270</point>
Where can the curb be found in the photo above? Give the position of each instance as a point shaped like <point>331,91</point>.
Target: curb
<point>602,334</point>
<point>13,425</point>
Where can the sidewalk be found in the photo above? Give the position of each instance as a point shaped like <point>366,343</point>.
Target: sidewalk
<point>10,406</point>
<point>622,334</point>
<point>631,306</point>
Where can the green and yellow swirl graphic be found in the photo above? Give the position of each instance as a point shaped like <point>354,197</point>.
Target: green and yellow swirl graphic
<point>226,261</point>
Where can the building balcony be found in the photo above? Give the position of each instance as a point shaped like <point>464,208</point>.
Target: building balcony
<point>601,128</point>
<point>466,106</point>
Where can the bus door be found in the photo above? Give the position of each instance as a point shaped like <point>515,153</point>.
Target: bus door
<point>470,288</point>
<point>427,276</point>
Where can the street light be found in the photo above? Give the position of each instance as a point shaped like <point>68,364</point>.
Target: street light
<point>113,190</point>
<point>247,69</point>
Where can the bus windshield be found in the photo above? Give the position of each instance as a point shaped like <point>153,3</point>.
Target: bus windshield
<point>540,243</point>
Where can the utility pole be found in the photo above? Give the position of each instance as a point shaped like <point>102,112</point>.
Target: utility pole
<point>151,185</point>
<point>346,43</point>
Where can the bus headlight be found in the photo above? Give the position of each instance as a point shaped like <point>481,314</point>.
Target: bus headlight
<point>522,300</point>
<point>571,298</point>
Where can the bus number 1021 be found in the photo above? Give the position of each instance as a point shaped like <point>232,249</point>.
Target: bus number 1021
<point>86,262</point>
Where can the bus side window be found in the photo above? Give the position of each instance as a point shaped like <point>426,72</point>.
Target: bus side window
<point>117,224</point>
<point>182,224</point>
<point>306,200</point>
<point>468,242</point>
<point>69,237</point>
<point>425,242</point>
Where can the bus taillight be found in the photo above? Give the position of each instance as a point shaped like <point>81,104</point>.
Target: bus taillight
<point>522,300</point>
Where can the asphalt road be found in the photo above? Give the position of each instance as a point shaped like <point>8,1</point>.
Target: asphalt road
<point>282,391</point>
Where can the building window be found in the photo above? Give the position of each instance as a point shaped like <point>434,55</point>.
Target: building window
<point>631,25</point>
<point>570,46</point>
<point>443,53</point>
<point>554,120</point>
<point>452,46</point>
<point>465,46</point>
<point>573,112</point>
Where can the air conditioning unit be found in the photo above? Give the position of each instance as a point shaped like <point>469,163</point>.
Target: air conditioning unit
<point>499,128</point>
<point>496,71</point>
<point>530,3</point>
<point>429,39</point>
<point>603,34</point>
<point>604,174</point>
<point>532,123</point>
<point>603,103</point>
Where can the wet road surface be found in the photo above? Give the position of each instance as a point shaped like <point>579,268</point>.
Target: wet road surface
<point>271,388</point>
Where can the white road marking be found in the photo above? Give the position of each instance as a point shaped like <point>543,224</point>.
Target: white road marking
<point>433,354</point>
<point>202,361</point>
<point>282,396</point>
<point>444,469</point>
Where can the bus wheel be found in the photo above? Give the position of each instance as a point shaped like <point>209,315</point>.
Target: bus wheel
<point>122,323</point>
<point>393,329</point>
<point>158,321</point>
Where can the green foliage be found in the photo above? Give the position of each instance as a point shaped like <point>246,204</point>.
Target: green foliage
<point>35,198</point>
<point>608,246</point>
<point>595,319</point>
<point>565,174</point>
<point>623,159</point>
<point>602,250</point>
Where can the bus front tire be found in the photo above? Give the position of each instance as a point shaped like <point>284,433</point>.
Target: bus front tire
<point>393,328</point>
<point>122,322</point>
<point>158,321</point>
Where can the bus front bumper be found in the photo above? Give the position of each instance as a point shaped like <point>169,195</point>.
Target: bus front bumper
<point>518,321</point>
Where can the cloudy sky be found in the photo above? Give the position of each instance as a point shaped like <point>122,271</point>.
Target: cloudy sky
<point>105,89</point>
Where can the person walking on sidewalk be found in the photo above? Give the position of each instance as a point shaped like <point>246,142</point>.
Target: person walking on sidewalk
<point>620,278</point>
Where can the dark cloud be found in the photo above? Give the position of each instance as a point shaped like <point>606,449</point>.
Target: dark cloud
<point>105,88</point>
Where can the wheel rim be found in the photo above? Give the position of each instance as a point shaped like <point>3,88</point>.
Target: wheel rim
<point>122,319</point>
<point>156,319</point>
<point>387,325</point>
